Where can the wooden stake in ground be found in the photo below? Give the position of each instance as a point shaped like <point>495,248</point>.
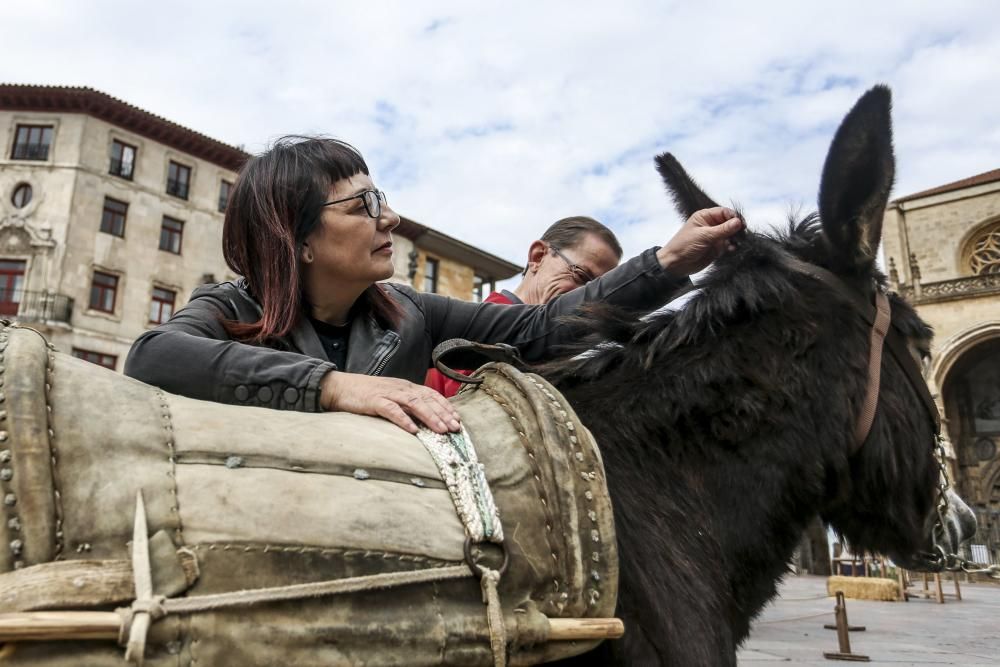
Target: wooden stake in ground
<point>843,639</point>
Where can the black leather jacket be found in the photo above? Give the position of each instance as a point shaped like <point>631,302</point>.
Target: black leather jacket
<point>193,355</point>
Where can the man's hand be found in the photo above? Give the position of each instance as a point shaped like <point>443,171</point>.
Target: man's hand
<point>703,238</point>
<point>390,398</point>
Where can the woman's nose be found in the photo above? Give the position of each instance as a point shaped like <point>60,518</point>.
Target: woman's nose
<point>388,220</point>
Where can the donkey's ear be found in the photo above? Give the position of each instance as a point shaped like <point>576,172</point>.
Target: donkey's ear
<point>687,196</point>
<point>857,179</point>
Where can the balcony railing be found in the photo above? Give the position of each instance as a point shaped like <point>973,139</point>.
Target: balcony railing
<point>121,169</point>
<point>949,290</point>
<point>177,188</point>
<point>25,306</point>
<point>31,152</point>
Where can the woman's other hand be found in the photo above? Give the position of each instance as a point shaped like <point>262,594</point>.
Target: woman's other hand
<point>701,239</point>
<point>399,401</point>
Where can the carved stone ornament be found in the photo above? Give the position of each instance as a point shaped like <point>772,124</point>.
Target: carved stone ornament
<point>17,234</point>
<point>985,255</point>
<point>985,449</point>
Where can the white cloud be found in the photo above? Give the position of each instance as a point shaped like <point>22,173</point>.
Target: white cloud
<point>491,122</point>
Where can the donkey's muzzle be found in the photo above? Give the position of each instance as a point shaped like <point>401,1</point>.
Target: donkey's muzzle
<point>950,528</point>
<point>957,525</point>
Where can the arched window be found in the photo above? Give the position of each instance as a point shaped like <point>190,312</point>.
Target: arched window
<point>22,195</point>
<point>984,251</point>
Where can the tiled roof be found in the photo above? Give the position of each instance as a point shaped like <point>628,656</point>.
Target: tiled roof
<point>80,99</point>
<point>979,179</point>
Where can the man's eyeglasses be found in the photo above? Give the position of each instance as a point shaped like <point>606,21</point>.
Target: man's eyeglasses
<point>373,200</point>
<point>580,275</point>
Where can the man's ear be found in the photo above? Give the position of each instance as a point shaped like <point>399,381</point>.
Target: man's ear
<point>306,253</point>
<point>536,251</point>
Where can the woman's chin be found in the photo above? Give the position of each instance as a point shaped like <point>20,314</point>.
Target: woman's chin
<point>384,269</point>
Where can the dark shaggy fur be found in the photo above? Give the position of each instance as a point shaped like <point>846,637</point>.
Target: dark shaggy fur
<point>725,427</point>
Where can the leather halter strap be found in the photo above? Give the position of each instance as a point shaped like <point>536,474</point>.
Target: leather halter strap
<point>883,316</point>
<point>883,334</point>
<point>462,353</point>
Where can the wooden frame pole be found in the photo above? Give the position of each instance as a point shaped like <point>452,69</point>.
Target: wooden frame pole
<point>61,625</point>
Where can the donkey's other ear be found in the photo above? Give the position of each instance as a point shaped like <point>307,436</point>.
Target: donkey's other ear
<point>857,179</point>
<point>687,196</point>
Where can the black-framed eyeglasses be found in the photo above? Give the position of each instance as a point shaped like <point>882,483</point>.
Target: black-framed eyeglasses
<point>580,275</point>
<point>373,200</point>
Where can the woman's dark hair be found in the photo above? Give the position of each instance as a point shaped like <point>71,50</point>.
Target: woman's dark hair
<point>276,203</point>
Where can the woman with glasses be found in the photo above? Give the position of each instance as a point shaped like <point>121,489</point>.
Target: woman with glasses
<point>311,327</point>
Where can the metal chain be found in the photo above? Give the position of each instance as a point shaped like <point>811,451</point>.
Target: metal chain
<point>950,561</point>
<point>943,484</point>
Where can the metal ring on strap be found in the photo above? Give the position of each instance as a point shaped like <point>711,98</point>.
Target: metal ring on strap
<point>478,569</point>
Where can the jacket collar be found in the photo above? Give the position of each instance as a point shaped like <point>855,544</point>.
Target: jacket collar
<point>306,340</point>
<point>304,336</point>
<point>369,344</point>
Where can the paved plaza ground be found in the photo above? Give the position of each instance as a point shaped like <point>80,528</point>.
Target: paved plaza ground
<point>918,632</point>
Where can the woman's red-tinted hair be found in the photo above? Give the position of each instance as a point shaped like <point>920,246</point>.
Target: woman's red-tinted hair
<point>275,204</point>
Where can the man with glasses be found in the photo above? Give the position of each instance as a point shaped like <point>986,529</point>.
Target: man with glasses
<point>571,253</point>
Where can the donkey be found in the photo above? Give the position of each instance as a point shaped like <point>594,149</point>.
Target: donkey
<point>727,425</point>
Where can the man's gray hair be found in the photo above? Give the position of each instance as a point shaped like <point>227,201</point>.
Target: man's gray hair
<point>570,231</point>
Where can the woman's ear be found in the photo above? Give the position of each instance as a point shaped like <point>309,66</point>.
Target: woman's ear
<point>536,251</point>
<point>306,253</point>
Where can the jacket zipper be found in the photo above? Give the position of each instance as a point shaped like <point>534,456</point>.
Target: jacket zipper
<point>388,355</point>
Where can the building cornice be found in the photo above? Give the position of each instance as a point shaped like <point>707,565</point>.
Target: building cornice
<point>79,99</point>
<point>986,284</point>
<point>973,183</point>
<point>430,240</point>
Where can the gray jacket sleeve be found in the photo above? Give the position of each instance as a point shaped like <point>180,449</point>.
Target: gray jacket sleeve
<point>639,284</point>
<point>193,355</point>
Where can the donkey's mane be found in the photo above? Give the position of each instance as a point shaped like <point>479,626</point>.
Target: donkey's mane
<point>609,335</point>
<point>754,277</point>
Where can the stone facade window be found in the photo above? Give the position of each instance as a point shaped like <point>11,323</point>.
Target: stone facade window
<point>224,191</point>
<point>22,195</point>
<point>103,292</point>
<point>984,256</point>
<point>122,160</point>
<point>113,217</point>
<point>431,266</point>
<point>32,142</point>
<point>161,306</point>
<point>11,285</point>
<point>178,180</point>
<point>171,234</point>
<point>107,360</point>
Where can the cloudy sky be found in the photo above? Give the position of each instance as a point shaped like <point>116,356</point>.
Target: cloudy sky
<point>491,120</point>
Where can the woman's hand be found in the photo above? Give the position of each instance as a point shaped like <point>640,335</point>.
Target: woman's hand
<point>391,398</point>
<point>701,239</point>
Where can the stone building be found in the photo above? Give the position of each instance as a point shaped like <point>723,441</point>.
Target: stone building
<point>942,248</point>
<point>110,216</point>
<point>432,261</point>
